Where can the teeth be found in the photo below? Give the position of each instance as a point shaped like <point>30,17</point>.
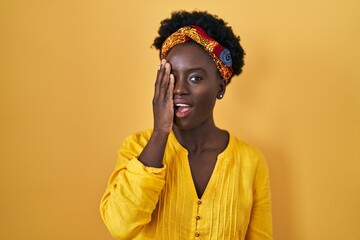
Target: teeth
<point>181,105</point>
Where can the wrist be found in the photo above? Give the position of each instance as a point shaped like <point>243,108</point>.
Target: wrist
<point>160,134</point>
<point>153,153</point>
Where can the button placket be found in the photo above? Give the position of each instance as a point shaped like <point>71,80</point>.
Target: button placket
<point>197,218</point>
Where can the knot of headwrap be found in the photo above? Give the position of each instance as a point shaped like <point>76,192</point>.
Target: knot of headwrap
<point>218,53</point>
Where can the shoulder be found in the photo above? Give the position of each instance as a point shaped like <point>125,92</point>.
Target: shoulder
<point>250,160</point>
<point>247,153</point>
<point>140,136</point>
<point>136,141</point>
<point>245,148</point>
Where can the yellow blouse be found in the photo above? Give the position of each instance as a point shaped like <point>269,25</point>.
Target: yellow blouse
<point>141,202</point>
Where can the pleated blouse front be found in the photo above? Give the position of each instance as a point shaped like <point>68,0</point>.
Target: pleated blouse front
<point>234,205</point>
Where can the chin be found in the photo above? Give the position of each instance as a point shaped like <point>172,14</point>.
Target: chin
<point>183,124</point>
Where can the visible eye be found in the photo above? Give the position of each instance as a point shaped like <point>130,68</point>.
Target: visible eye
<point>195,78</point>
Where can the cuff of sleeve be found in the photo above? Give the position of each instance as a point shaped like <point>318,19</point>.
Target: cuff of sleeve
<point>135,165</point>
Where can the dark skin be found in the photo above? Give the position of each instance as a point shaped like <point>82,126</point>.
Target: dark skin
<point>186,90</point>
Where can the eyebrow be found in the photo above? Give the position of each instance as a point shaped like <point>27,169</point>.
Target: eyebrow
<point>196,69</point>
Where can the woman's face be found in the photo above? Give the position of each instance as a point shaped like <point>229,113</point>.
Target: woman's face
<point>197,85</point>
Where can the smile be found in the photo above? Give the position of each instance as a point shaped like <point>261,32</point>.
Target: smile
<point>182,110</point>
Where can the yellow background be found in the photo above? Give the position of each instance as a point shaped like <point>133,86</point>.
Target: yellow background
<point>76,77</point>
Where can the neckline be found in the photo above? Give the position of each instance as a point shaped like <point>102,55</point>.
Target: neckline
<point>217,169</point>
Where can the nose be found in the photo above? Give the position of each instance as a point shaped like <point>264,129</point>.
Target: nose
<point>181,87</point>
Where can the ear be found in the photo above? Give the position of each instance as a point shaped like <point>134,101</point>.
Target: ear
<point>222,88</point>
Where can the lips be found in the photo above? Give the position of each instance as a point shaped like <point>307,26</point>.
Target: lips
<point>182,108</point>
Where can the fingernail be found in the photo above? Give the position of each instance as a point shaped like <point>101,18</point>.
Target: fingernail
<point>163,61</point>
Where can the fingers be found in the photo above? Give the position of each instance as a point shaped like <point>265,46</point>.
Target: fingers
<point>163,106</point>
<point>160,74</point>
<point>164,85</point>
<point>170,91</point>
<point>163,80</point>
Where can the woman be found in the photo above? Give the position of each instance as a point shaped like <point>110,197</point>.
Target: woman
<point>186,178</point>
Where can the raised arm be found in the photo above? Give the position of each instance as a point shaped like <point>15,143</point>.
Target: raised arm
<point>135,185</point>
<point>163,111</point>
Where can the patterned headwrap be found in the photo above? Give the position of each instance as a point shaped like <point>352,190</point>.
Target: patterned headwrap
<point>219,54</point>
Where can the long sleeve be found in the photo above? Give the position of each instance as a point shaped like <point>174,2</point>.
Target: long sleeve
<point>146,203</point>
<point>260,225</point>
<point>132,192</point>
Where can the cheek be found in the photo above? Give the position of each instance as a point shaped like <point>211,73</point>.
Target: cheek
<point>207,101</point>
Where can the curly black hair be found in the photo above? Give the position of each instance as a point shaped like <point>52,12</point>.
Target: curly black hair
<point>214,26</point>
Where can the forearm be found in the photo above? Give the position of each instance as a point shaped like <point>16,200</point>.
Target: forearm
<point>153,153</point>
<point>163,109</point>
<point>130,198</point>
